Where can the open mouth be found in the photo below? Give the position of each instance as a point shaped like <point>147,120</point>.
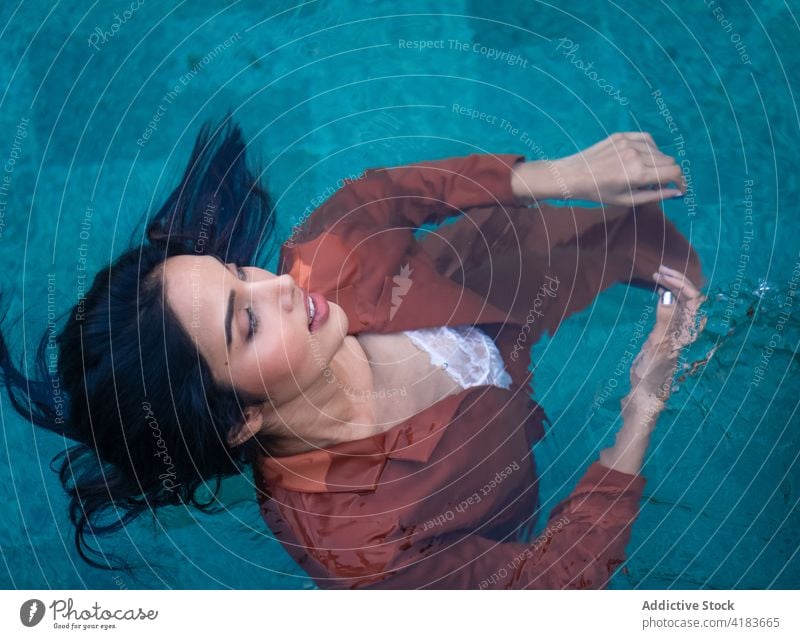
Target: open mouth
<point>318,311</point>
<point>312,310</point>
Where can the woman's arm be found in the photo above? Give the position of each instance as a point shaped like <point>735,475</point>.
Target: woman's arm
<point>617,170</point>
<point>580,548</point>
<point>652,372</point>
<point>416,194</point>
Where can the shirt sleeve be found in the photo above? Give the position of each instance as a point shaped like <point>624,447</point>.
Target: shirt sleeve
<point>582,545</point>
<point>417,194</point>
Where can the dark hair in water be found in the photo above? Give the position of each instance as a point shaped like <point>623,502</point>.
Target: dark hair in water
<point>150,421</point>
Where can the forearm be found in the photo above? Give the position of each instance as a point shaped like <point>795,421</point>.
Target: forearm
<point>640,413</point>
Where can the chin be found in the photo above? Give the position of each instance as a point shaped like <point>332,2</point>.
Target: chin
<point>329,337</point>
<point>337,320</point>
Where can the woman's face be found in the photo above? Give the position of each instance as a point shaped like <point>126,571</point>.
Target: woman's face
<point>267,347</point>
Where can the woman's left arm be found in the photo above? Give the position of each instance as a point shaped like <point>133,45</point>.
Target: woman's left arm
<point>415,194</point>
<point>617,170</point>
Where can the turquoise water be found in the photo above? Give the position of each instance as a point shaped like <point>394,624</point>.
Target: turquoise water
<point>327,89</point>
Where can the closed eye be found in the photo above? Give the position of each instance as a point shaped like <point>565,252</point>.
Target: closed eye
<point>253,324</point>
<point>253,329</point>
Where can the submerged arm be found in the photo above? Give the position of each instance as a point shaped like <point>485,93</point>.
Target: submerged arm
<point>652,372</point>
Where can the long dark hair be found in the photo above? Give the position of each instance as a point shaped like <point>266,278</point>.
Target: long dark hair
<point>133,391</point>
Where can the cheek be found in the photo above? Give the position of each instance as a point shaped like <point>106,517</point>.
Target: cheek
<point>283,361</point>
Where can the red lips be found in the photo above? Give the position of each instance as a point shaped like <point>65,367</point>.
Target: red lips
<point>321,313</point>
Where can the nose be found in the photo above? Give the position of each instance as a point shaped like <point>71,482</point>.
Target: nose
<point>281,286</point>
<point>289,291</point>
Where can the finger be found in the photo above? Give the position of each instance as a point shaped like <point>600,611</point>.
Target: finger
<point>647,153</point>
<point>663,175</point>
<point>658,160</point>
<point>638,139</point>
<point>651,157</point>
<point>678,278</point>
<point>684,291</point>
<point>645,142</point>
<point>691,287</point>
<point>643,136</point>
<point>675,283</point>
<point>678,286</point>
<point>650,195</point>
<point>669,269</point>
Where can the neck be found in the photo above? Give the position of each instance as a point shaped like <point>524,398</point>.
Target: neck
<point>336,408</point>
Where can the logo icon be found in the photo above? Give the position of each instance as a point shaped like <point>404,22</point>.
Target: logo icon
<point>31,612</point>
<point>402,284</point>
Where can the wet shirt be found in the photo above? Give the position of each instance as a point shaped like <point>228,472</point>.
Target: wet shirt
<point>449,498</point>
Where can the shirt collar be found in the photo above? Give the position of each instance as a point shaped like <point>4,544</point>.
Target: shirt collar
<point>356,466</point>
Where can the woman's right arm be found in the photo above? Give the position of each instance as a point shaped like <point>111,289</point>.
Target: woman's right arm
<point>581,546</point>
<point>652,372</point>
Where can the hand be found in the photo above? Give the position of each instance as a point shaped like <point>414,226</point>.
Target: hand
<point>652,371</point>
<point>675,328</point>
<point>625,168</point>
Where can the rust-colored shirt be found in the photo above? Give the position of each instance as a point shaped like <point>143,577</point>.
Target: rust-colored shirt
<point>447,499</point>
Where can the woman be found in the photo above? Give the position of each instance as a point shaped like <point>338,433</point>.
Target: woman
<point>378,387</point>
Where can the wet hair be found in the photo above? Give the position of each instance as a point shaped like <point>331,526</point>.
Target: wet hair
<point>149,421</point>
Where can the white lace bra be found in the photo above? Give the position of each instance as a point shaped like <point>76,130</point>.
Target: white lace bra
<point>465,353</point>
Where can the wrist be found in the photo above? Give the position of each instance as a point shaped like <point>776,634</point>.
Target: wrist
<point>641,409</point>
<point>534,180</point>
